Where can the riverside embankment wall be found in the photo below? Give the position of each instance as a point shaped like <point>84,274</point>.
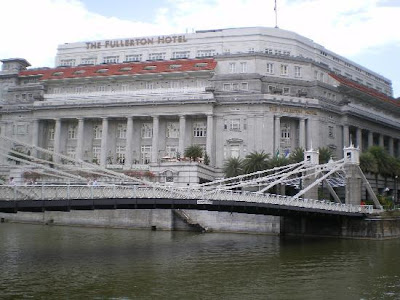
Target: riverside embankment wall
<point>161,219</point>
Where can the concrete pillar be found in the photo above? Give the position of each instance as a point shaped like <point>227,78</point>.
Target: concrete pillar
<point>35,137</point>
<point>346,136</point>
<point>311,158</point>
<point>80,139</point>
<point>210,138</point>
<point>302,133</point>
<point>104,135</point>
<point>129,141</point>
<point>391,146</point>
<point>182,135</point>
<point>359,138</point>
<point>353,177</point>
<point>154,154</point>
<point>381,144</point>
<point>308,135</point>
<point>370,138</point>
<point>57,140</point>
<point>277,134</point>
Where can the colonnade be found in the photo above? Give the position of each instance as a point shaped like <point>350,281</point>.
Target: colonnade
<point>129,144</point>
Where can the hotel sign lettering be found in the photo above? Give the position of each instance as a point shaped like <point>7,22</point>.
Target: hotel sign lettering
<point>292,110</point>
<point>169,39</point>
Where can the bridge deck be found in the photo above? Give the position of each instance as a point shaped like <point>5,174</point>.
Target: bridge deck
<point>67,197</point>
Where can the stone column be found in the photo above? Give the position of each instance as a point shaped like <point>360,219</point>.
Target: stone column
<point>302,133</point>
<point>277,134</point>
<point>381,143</point>
<point>308,135</point>
<point>346,136</point>
<point>359,138</point>
<point>57,140</point>
<point>370,138</point>
<point>129,140</point>
<point>182,134</point>
<point>35,137</point>
<point>391,146</point>
<point>210,139</point>
<point>154,143</point>
<point>104,135</point>
<point>80,139</point>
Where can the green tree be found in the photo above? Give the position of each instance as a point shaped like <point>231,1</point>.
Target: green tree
<point>278,161</point>
<point>325,154</point>
<point>194,152</point>
<point>206,159</point>
<point>256,161</point>
<point>368,163</point>
<point>383,162</point>
<point>233,167</point>
<point>297,155</point>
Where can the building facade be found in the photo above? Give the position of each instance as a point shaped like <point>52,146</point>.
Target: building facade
<point>137,104</point>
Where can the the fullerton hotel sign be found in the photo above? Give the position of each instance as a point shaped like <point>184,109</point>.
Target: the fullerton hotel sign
<point>168,39</point>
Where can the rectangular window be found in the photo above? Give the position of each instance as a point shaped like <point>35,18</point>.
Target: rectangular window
<point>243,67</point>
<point>181,54</point>
<point>121,131</point>
<point>172,130</point>
<point>88,61</point>
<point>157,56</point>
<point>235,151</point>
<point>96,151</point>
<point>269,51</point>
<point>72,130</point>
<point>145,154</point>
<point>51,133</point>
<point>147,130</point>
<point>120,152</point>
<point>149,85</point>
<point>297,71</point>
<point>284,70</point>
<point>244,86</point>
<point>133,57</point>
<point>232,67</point>
<point>205,53</point>
<point>227,86</point>
<point>97,131</point>
<point>270,68</point>
<point>199,129</point>
<point>111,59</point>
<point>234,125</point>
<point>235,86</point>
<point>171,151</point>
<point>286,90</point>
<point>67,62</point>
<point>71,151</point>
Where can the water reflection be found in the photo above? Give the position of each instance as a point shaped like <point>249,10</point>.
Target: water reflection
<point>76,263</point>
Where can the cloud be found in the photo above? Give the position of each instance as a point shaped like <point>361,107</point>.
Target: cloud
<point>347,27</point>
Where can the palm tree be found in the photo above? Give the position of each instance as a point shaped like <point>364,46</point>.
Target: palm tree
<point>193,152</point>
<point>278,161</point>
<point>383,162</point>
<point>256,161</point>
<point>325,154</point>
<point>233,167</point>
<point>297,155</point>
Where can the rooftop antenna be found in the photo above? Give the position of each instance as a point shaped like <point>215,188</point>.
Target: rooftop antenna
<point>276,15</point>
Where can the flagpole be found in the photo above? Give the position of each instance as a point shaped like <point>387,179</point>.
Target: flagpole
<point>276,15</point>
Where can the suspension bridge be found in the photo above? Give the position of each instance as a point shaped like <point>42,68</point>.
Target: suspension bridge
<point>250,193</point>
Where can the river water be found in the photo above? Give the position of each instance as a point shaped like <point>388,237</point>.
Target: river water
<point>55,262</point>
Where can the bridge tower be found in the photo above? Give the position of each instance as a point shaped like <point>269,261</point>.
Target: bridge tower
<point>311,158</point>
<point>353,176</point>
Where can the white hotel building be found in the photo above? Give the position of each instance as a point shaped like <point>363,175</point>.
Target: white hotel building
<point>137,103</point>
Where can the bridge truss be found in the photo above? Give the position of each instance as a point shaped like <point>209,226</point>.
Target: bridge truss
<point>255,187</point>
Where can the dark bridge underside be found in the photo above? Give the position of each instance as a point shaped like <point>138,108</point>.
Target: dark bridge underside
<point>146,203</point>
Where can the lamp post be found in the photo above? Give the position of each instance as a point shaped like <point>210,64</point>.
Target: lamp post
<point>396,200</point>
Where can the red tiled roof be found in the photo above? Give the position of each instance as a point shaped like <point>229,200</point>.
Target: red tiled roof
<point>137,68</point>
<point>369,91</point>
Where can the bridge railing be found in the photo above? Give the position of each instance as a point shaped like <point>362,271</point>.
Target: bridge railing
<point>68,192</point>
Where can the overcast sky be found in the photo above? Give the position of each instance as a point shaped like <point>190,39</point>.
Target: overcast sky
<point>365,31</point>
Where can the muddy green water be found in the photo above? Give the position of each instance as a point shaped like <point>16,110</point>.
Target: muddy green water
<point>54,262</point>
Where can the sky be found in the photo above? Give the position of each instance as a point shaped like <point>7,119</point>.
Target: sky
<point>364,31</point>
